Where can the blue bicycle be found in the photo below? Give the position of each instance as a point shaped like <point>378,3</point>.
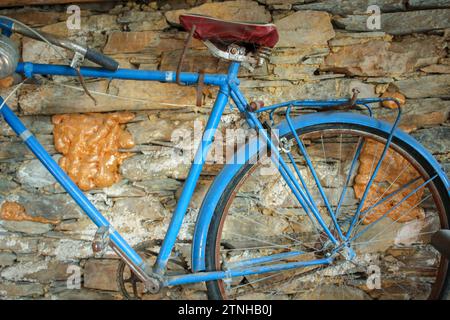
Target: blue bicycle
<point>327,202</point>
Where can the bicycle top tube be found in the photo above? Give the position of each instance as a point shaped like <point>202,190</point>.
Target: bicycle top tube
<point>187,78</point>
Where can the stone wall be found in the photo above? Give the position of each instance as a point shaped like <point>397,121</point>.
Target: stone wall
<point>325,50</point>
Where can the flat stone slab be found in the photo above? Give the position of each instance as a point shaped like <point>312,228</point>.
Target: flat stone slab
<point>343,7</point>
<point>29,227</point>
<point>400,23</point>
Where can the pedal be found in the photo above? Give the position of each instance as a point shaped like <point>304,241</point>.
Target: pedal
<point>101,241</point>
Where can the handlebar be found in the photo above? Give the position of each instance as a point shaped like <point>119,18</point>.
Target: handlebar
<point>101,59</point>
<point>88,53</point>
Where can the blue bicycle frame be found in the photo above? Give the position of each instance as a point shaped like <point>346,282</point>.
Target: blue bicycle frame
<point>228,89</point>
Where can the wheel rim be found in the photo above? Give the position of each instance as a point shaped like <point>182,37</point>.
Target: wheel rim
<point>441,267</point>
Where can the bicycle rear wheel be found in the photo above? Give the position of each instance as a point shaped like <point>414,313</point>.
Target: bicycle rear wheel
<point>259,216</point>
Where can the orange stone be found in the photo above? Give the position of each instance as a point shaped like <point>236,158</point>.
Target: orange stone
<point>395,172</point>
<point>6,82</point>
<point>391,104</point>
<point>90,144</point>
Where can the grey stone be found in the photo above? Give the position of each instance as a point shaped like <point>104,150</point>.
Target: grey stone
<point>26,257</point>
<point>346,7</point>
<point>12,101</point>
<point>123,189</point>
<point>304,28</point>
<point>90,23</point>
<point>155,185</point>
<point>82,228</point>
<point>139,208</point>
<point>62,293</point>
<point>9,168</point>
<point>298,54</point>
<point>36,124</point>
<point>137,218</point>
<point>55,271</point>
<point>34,174</point>
<point>424,87</point>
<point>21,270</point>
<point>249,11</point>
<point>14,290</point>
<point>165,163</point>
<point>29,227</point>
<point>418,113</point>
<point>18,150</point>
<point>428,4</point>
<point>334,88</point>
<point>53,206</point>
<point>437,68</point>
<point>143,20</point>
<point>400,23</point>
<point>17,244</point>
<point>65,249</point>
<point>384,58</point>
<point>6,185</point>
<point>157,129</point>
<point>7,259</point>
<point>133,95</point>
<point>335,292</point>
<point>295,72</point>
<point>436,140</point>
<point>353,38</point>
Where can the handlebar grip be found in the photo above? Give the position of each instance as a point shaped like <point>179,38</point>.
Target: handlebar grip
<point>101,59</point>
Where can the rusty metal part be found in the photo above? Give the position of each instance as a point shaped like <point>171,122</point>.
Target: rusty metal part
<point>101,241</point>
<point>201,77</point>
<point>187,43</point>
<point>145,250</point>
<point>346,105</point>
<point>139,274</point>
<point>255,105</point>
<point>86,90</point>
<point>200,85</point>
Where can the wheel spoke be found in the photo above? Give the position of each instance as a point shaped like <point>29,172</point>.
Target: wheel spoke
<point>269,221</point>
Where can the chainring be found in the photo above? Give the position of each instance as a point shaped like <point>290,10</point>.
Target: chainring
<point>130,286</point>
